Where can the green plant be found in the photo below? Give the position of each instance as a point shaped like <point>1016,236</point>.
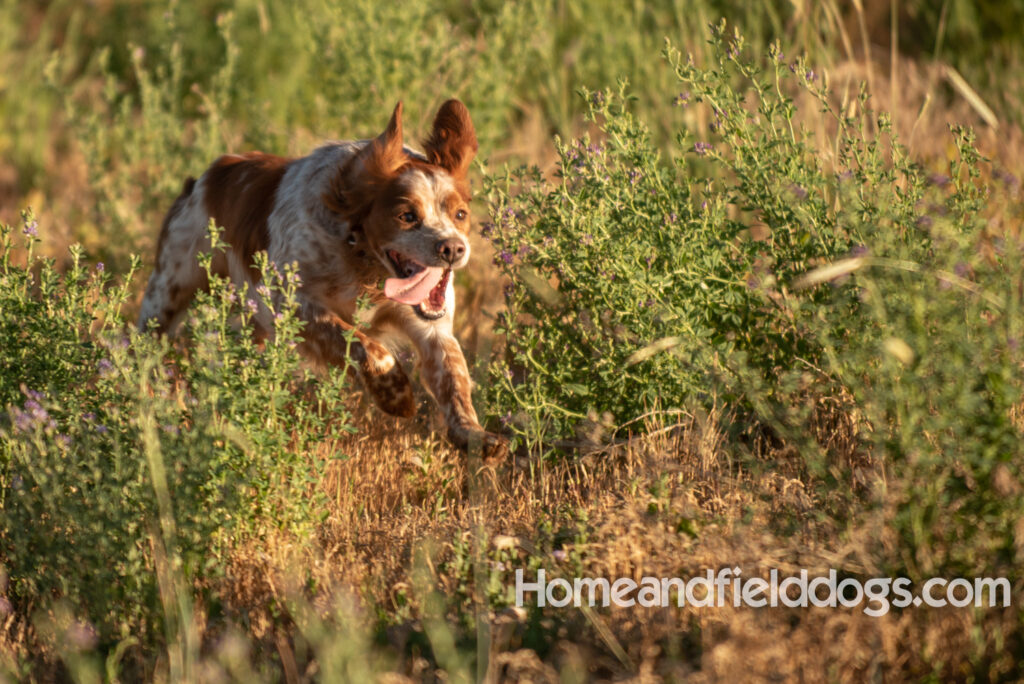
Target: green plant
<point>643,277</point>
<point>121,450</point>
<point>773,274</point>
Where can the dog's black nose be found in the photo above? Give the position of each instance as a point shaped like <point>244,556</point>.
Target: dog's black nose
<point>451,250</point>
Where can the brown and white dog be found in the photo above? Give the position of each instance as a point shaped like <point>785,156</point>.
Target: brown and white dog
<point>350,215</point>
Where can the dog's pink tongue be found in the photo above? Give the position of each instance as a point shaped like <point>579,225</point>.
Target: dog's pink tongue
<point>415,288</point>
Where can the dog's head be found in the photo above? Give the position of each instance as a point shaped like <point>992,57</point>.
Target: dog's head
<point>414,210</point>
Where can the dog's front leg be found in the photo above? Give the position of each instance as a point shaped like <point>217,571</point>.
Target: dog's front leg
<point>446,375</point>
<point>325,340</point>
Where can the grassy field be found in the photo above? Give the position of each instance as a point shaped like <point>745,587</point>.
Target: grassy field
<point>746,293</point>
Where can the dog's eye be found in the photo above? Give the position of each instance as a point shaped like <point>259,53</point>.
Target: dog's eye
<point>461,215</point>
<point>408,217</point>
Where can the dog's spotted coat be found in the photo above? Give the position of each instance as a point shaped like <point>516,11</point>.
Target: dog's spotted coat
<point>350,215</point>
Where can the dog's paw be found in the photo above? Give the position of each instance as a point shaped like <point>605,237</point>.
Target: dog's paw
<point>398,402</point>
<point>391,390</point>
<point>492,448</point>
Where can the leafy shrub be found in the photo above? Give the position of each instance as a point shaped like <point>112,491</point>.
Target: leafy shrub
<point>764,271</point>
<point>643,278</point>
<point>122,458</point>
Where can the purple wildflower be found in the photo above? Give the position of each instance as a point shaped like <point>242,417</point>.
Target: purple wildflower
<point>809,75</point>
<point>559,555</point>
<point>100,267</point>
<point>82,635</point>
<point>22,421</point>
<point>800,192</point>
<point>682,99</point>
<point>31,228</point>
<point>1009,180</point>
<point>487,230</point>
<point>251,305</point>
<point>634,176</point>
<point>506,256</point>
<point>32,414</point>
<point>104,366</point>
<point>506,419</point>
<point>587,239</point>
<point>572,157</point>
<point>597,99</point>
<point>701,148</point>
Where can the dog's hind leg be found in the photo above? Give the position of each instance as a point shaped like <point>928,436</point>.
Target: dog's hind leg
<point>178,275</point>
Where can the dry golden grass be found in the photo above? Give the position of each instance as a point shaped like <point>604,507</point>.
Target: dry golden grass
<point>391,499</point>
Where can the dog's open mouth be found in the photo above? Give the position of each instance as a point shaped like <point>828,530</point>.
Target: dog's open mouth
<point>422,287</point>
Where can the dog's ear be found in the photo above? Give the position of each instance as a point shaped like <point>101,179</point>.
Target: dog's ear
<point>376,164</point>
<point>452,142</point>
<point>386,152</point>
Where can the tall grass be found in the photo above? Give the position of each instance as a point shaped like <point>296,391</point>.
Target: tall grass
<point>123,457</point>
<point>184,82</point>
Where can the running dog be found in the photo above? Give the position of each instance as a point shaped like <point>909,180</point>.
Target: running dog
<point>368,217</point>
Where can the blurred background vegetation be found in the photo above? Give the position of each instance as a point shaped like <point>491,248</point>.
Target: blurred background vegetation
<point>106,105</point>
